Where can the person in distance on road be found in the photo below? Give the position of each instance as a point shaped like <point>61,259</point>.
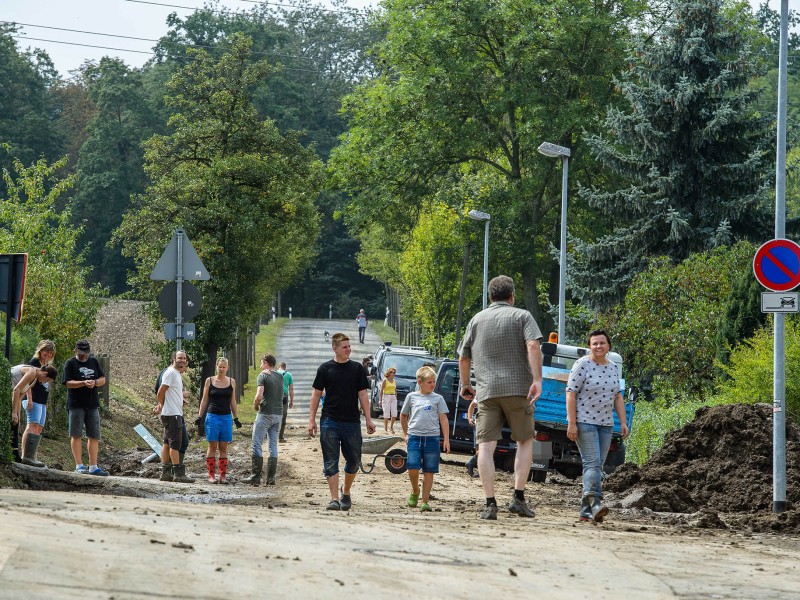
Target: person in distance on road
<point>593,393</point>
<point>288,398</point>
<point>170,406</point>
<point>503,344</point>
<point>345,385</point>
<point>82,376</point>
<point>423,413</point>
<point>218,408</point>
<point>268,404</point>
<point>388,398</point>
<point>361,320</point>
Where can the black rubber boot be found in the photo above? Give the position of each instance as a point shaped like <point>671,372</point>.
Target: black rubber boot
<point>597,509</point>
<point>31,443</point>
<point>179,474</point>
<point>166,472</point>
<point>283,422</point>
<point>255,471</point>
<point>586,511</point>
<point>272,468</point>
<point>471,465</point>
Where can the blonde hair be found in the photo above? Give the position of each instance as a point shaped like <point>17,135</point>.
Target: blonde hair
<point>222,361</point>
<point>44,346</point>
<point>390,370</point>
<point>425,373</point>
<point>338,338</point>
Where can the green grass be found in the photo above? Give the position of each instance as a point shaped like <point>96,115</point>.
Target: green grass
<point>386,333</point>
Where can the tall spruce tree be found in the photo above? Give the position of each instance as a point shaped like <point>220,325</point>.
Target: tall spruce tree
<point>690,146</point>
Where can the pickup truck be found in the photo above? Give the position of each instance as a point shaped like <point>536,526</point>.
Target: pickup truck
<point>551,448</point>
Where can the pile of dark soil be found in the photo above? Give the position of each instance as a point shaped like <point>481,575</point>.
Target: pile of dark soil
<point>721,461</point>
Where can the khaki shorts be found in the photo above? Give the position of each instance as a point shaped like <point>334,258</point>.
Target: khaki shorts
<point>495,412</point>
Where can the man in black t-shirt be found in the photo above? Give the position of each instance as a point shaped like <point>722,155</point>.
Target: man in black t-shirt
<point>82,376</point>
<point>345,385</point>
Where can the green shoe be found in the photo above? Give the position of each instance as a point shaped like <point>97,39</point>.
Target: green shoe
<point>425,507</point>
<point>412,500</point>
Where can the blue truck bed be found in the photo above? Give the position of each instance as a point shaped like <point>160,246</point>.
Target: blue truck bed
<point>551,407</point>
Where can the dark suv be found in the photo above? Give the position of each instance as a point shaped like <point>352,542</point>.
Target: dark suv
<point>406,360</point>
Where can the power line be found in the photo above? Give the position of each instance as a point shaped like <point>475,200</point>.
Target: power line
<point>150,52</point>
<point>128,37</point>
<point>150,2</point>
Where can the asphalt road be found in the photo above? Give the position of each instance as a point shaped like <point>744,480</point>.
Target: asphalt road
<point>303,348</point>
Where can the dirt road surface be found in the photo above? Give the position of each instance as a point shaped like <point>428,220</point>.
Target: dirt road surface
<point>134,537</point>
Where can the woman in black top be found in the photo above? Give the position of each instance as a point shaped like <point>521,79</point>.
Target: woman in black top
<point>35,405</point>
<point>219,408</point>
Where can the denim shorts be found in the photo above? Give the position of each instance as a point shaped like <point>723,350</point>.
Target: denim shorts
<point>37,413</point>
<point>336,436</point>
<point>90,417</point>
<point>423,453</point>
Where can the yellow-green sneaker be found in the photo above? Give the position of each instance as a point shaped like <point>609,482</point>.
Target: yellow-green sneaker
<point>425,507</point>
<point>412,500</point>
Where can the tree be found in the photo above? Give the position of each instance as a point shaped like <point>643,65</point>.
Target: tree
<point>465,94</point>
<point>60,304</point>
<point>319,55</point>
<point>668,326</point>
<point>26,123</point>
<point>431,271</point>
<point>691,148</point>
<point>110,165</point>
<point>242,191</point>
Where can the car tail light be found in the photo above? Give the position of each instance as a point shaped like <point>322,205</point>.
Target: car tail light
<point>542,437</point>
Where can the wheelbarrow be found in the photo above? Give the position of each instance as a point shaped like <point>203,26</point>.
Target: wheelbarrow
<point>395,460</point>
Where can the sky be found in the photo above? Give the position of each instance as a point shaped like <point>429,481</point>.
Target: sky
<point>133,18</point>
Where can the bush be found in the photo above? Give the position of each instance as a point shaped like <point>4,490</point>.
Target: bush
<point>748,378</point>
<point>5,410</point>
<point>652,421</point>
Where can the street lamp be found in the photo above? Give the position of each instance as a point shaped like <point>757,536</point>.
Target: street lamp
<point>555,151</point>
<point>477,215</point>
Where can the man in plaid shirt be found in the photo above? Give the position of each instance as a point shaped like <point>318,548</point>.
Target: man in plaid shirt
<point>501,344</point>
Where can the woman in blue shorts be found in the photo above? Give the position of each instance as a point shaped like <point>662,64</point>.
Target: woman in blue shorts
<point>35,404</point>
<point>219,407</point>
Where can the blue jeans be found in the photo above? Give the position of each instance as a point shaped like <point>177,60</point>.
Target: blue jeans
<point>593,442</point>
<point>266,425</point>
<point>338,435</point>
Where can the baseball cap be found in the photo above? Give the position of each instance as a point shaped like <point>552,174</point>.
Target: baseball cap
<point>82,346</point>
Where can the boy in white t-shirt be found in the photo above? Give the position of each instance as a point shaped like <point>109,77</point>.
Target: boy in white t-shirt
<point>422,414</point>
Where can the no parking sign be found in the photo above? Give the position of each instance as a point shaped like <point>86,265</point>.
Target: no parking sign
<point>777,265</point>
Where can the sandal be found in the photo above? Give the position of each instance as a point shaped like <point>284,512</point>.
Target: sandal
<point>413,499</point>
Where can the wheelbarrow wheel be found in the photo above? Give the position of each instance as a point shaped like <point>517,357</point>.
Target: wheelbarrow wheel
<point>396,461</point>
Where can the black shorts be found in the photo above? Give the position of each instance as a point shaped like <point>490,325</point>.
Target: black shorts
<point>173,431</point>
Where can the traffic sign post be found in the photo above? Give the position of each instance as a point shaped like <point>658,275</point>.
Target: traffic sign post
<point>777,302</point>
<point>178,263</point>
<point>777,265</point>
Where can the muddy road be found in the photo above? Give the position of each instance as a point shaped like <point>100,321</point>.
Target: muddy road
<point>130,536</point>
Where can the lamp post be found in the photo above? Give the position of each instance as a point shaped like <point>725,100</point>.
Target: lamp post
<point>477,215</point>
<point>555,151</point>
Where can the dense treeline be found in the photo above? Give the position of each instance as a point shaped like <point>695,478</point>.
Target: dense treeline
<point>332,157</point>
